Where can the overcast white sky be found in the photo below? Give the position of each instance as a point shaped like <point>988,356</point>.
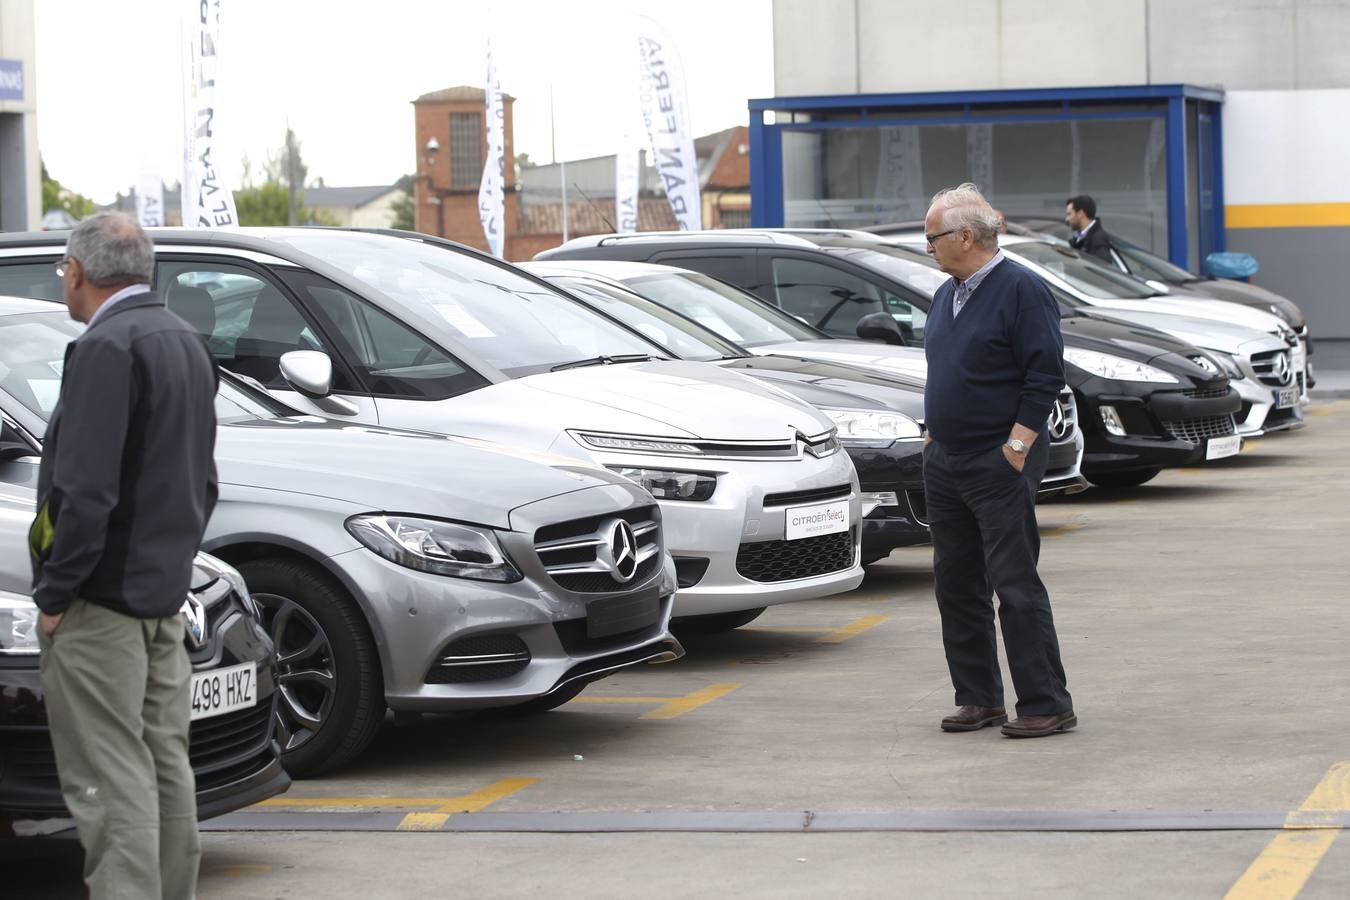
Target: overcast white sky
<point>343,75</point>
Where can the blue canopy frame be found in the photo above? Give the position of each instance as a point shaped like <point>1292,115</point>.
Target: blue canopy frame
<point>1167,101</point>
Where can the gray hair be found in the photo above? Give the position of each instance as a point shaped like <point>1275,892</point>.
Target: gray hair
<point>965,207</point>
<point>113,250</point>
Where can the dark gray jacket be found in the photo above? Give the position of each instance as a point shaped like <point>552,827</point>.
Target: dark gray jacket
<point>128,477</point>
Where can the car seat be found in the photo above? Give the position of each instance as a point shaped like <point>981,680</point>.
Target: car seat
<point>274,328</point>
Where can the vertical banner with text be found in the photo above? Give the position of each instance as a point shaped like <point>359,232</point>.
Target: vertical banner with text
<point>150,201</point>
<point>665,113</point>
<point>207,201</point>
<point>628,160</point>
<point>492,187</point>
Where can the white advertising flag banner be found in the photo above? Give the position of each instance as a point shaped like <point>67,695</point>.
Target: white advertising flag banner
<point>628,161</point>
<point>665,113</point>
<point>150,201</point>
<point>492,188</point>
<point>207,201</point>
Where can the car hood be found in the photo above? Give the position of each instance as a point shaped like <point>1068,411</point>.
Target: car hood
<point>904,361</point>
<point>1199,308</point>
<point>1209,334</point>
<point>389,470</point>
<point>1247,294</point>
<point>1096,330</point>
<point>827,384</point>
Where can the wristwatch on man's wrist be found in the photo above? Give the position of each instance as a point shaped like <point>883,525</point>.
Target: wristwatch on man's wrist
<point>1016,446</point>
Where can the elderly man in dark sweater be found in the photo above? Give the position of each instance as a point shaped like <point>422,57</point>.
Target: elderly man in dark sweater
<point>995,366</point>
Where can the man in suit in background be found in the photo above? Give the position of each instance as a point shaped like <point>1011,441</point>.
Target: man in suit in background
<point>126,486</point>
<point>1080,214</point>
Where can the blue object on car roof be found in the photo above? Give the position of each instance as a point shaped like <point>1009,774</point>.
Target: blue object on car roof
<point>1232,265</point>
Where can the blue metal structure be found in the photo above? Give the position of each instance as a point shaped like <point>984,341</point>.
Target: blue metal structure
<point>1173,103</point>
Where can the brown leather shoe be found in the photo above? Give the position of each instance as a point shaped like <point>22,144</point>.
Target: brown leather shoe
<point>973,718</point>
<point>1040,726</point>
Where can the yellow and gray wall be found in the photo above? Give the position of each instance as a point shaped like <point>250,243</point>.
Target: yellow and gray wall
<point>1284,66</point>
<point>20,165</point>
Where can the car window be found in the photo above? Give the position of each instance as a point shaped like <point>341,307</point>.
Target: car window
<point>516,323</point>
<point>1089,276</point>
<point>736,315</point>
<point>831,299</point>
<point>672,332</point>
<point>32,355</point>
<point>248,321</point>
<point>1146,265</point>
<point>391,358</point>
<point>29,279</point>
<point>738,270</point>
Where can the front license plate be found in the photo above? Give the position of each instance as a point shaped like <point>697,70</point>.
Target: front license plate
<point>220,691</point>
<point>1218,448</point>
<point>1286,397</point>
<point>813,521</point>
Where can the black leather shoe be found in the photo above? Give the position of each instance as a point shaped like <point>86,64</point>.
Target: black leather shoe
<point>973,718</point>
<point>1040,726</point>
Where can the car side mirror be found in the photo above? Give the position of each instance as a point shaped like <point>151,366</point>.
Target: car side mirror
<point>12,444</point>
<point>879,326</point>
<point>308,371</point>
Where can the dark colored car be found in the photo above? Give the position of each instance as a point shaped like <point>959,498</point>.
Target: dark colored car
<point>851,284</point>
<point>878,415</point>
<point>235,758</point>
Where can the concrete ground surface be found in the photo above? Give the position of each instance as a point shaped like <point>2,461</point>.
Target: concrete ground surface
<point>1204,627</point>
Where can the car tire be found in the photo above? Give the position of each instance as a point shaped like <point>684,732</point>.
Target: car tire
<point>328,673</point>
<point>715,623</point>
<point>1128,479</point>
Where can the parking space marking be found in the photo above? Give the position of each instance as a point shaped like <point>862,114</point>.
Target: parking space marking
<point>828,635</point>
<point>469,803</point>
<point>670,707</point>
<point>1055,531</point>
<point>1288,861</point>
<point>472,802</point>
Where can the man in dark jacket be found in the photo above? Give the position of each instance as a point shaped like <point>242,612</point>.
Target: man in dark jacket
<point>995,367</point>
<point>124,492</point>
<point>1080,214</point>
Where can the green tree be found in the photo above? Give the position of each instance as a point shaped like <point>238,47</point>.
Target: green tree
<point>404,207</point>
<point>279,200</point>
<point>54,196</point>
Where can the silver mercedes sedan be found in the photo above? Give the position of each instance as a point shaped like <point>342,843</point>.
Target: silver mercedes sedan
<point>396,569</point>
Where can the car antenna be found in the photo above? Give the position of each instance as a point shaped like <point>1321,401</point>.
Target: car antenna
<point>607,222</point>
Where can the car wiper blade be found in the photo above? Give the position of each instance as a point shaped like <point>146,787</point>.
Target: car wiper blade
<point>605,361</point>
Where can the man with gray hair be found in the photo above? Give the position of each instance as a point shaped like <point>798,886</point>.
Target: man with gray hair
<point>126,485</point>
<point>995,367</point>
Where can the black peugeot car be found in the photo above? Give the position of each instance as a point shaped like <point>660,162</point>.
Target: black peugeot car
<point>850,284</point>
<point>878,415</point>
<point>234,756</point>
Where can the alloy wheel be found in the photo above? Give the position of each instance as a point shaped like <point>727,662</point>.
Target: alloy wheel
<point>306,673</point>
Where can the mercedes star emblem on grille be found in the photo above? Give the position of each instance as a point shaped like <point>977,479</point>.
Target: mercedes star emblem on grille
<point>1059,422</point>
<point>619,553</point>
<point>1280,368</point>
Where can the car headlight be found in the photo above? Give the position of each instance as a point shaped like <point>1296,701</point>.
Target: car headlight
<point>1117,368</point>
<point>18,626</point>
<point>863,428</point>
<point>430,545</point>
<point>669,484</point>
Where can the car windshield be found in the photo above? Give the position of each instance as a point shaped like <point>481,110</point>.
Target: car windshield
<point>33,352</point>
<point>518,325</point>
<point>922,275</point>
<point>1068,304</point>
<point>738,316</point>
<point>1149,265</point>
<point>1088,276</point>
<point>676,334</point>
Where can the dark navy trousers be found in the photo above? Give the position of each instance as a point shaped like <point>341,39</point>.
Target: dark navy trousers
<point>982,513</point>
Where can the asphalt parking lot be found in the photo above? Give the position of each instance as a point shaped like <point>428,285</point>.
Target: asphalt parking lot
<point>1203,622</point>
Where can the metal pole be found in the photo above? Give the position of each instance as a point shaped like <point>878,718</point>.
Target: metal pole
<point>562,169</point>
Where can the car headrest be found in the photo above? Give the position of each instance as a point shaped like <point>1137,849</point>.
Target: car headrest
<point>194,306</point>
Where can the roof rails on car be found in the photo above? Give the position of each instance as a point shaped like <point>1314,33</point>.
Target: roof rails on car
<point>724,235</point>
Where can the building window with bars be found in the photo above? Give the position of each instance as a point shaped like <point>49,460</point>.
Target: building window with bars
<point>466,149</point>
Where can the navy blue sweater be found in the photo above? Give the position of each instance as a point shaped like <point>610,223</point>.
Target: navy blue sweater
<point>1000,361</point>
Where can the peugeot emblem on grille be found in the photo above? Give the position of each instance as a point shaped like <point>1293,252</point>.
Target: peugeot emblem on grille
<point>1205,363</point>
<point>1280,368</point>
<point>194,616</point>
<point>619,553</point>
<point>1059,422</point>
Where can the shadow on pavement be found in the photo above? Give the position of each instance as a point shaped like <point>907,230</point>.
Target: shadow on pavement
<point>1160,493</point>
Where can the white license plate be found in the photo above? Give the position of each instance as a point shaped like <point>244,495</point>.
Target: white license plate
<point>220,691</point>
<point>1286,397</point>
<point>813,521</point>
<point>1218,448</point>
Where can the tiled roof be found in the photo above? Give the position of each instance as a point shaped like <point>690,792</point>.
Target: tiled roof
<point>585,218</point>
<point>346,196</point>
<point>458,94</point>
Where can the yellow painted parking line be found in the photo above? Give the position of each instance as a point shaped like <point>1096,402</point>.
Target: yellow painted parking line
<point>691,702</point>
<point>624,700</point>
<point>1288,861</point>
<point>466,803</point>
<point>851,630</point>
<point>1055,531</point>
<point>775,630</point>
<point>469,803</point>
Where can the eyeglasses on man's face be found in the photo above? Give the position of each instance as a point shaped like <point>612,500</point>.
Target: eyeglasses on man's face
<point>61,265</point>
<point>931,238</point>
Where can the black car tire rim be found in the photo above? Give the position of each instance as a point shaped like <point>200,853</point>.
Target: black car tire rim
<point>306,673</point>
